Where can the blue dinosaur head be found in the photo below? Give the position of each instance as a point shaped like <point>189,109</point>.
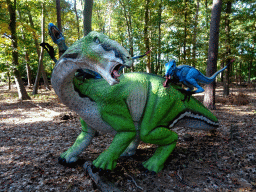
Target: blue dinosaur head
<point>169,68</point>
<point>57,37</point>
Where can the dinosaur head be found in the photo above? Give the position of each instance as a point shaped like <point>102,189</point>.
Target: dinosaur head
<point>100,54</point>
<point>169,71</point>
<point>169,68</point>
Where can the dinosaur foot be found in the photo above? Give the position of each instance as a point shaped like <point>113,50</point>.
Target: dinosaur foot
<point>146,171</point>
<point>101,171</point>
<point>63,162</point>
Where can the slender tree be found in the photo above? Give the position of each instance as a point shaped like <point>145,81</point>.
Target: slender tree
<point>209,96</point>
<point>146,36</point>
<point>159,50</point>
<point>195,34</point>
<point>28,69</point>
<point>38,49</point>
<point>228,50</point>
<point>19,83</point>
<point>88,5</point>
<point>58,9</point>
<point>185,31</point>
<point>40,63</point>
<point>128,19</point>
<point>77,20</point>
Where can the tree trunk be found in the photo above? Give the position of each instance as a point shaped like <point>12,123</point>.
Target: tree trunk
<point>77,20</point>
<point>209,96</point>
<point>9,80</point>
<point>38,50</point>
<point>228,51</point>
<point>33,32</point>
<point>88,5</point>
<point>159,37</point>
<point>58,9</point>
<point>128,20</point>
<point>185,32</point>
<point>195,34</point>
<point>146,35</point>
<point>12,26</point>
<point>40,63</point>
<point>28,70</point>
<point>249,71</point>
<point>206,8</point>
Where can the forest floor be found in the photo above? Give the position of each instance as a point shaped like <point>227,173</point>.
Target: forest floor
<point>34,133</point>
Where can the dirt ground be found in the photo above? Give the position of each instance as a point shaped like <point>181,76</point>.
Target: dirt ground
<point>34,133</point>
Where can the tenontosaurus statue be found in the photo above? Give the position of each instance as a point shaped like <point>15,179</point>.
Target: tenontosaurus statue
<point>133,107</point>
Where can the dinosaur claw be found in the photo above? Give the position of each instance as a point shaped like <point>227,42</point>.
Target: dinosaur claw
<point>62,161</point>
<point>94,169</point>
<point>101,172</point>
<point>153,173</point>
<point>145,171</point>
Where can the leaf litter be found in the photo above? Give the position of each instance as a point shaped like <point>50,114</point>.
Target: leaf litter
<point>34,133</point>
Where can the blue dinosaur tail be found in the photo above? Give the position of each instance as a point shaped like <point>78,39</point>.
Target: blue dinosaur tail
<point>207,80</point>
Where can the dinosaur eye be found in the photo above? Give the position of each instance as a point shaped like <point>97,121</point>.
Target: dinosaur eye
<point>96,40</point>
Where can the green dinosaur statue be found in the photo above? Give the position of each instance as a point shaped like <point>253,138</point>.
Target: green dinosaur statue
<point>133,107</point>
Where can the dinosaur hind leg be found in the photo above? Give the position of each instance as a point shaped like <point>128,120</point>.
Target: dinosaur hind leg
<point>166,139</point>
<point>194,83</point>
<point>83,140</point>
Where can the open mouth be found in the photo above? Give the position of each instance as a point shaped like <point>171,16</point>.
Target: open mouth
<point>55,32</point>
<point>115,71</point>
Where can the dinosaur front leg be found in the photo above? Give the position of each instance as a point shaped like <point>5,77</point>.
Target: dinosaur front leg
<point>82,141</point>
<point>121,121</point>
<point>131,149</point>
<point>108,159</point>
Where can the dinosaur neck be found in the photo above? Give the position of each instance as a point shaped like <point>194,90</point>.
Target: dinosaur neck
<point>62,82</point>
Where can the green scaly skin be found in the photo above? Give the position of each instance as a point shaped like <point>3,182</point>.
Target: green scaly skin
<point>163,105</point>
<point>134,107</point>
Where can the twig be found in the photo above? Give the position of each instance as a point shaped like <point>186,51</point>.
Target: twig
<point>181,180</point>
<point>104,187</point>
<point>134,182</point>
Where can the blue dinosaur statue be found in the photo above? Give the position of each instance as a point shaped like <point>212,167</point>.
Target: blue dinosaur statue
<point>189,76</point>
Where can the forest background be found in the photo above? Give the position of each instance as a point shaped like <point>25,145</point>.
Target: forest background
<point>171,29</point>
<point>35,132</point>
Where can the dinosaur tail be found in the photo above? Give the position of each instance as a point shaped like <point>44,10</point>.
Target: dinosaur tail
<point>195,116</point>
<point>207,80</point>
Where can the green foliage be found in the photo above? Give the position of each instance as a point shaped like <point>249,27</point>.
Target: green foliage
<point>177,30</point>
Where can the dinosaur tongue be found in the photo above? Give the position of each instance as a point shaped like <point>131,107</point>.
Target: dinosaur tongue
<point>115,74</point>
<point>166,81</point>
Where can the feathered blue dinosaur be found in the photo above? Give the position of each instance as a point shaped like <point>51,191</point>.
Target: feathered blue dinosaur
<point>189,76</point>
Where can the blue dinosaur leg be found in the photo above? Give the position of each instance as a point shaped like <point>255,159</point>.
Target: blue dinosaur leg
<point>194,83</point>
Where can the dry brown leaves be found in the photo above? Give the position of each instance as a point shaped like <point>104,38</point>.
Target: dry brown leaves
<point>34,133</point>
